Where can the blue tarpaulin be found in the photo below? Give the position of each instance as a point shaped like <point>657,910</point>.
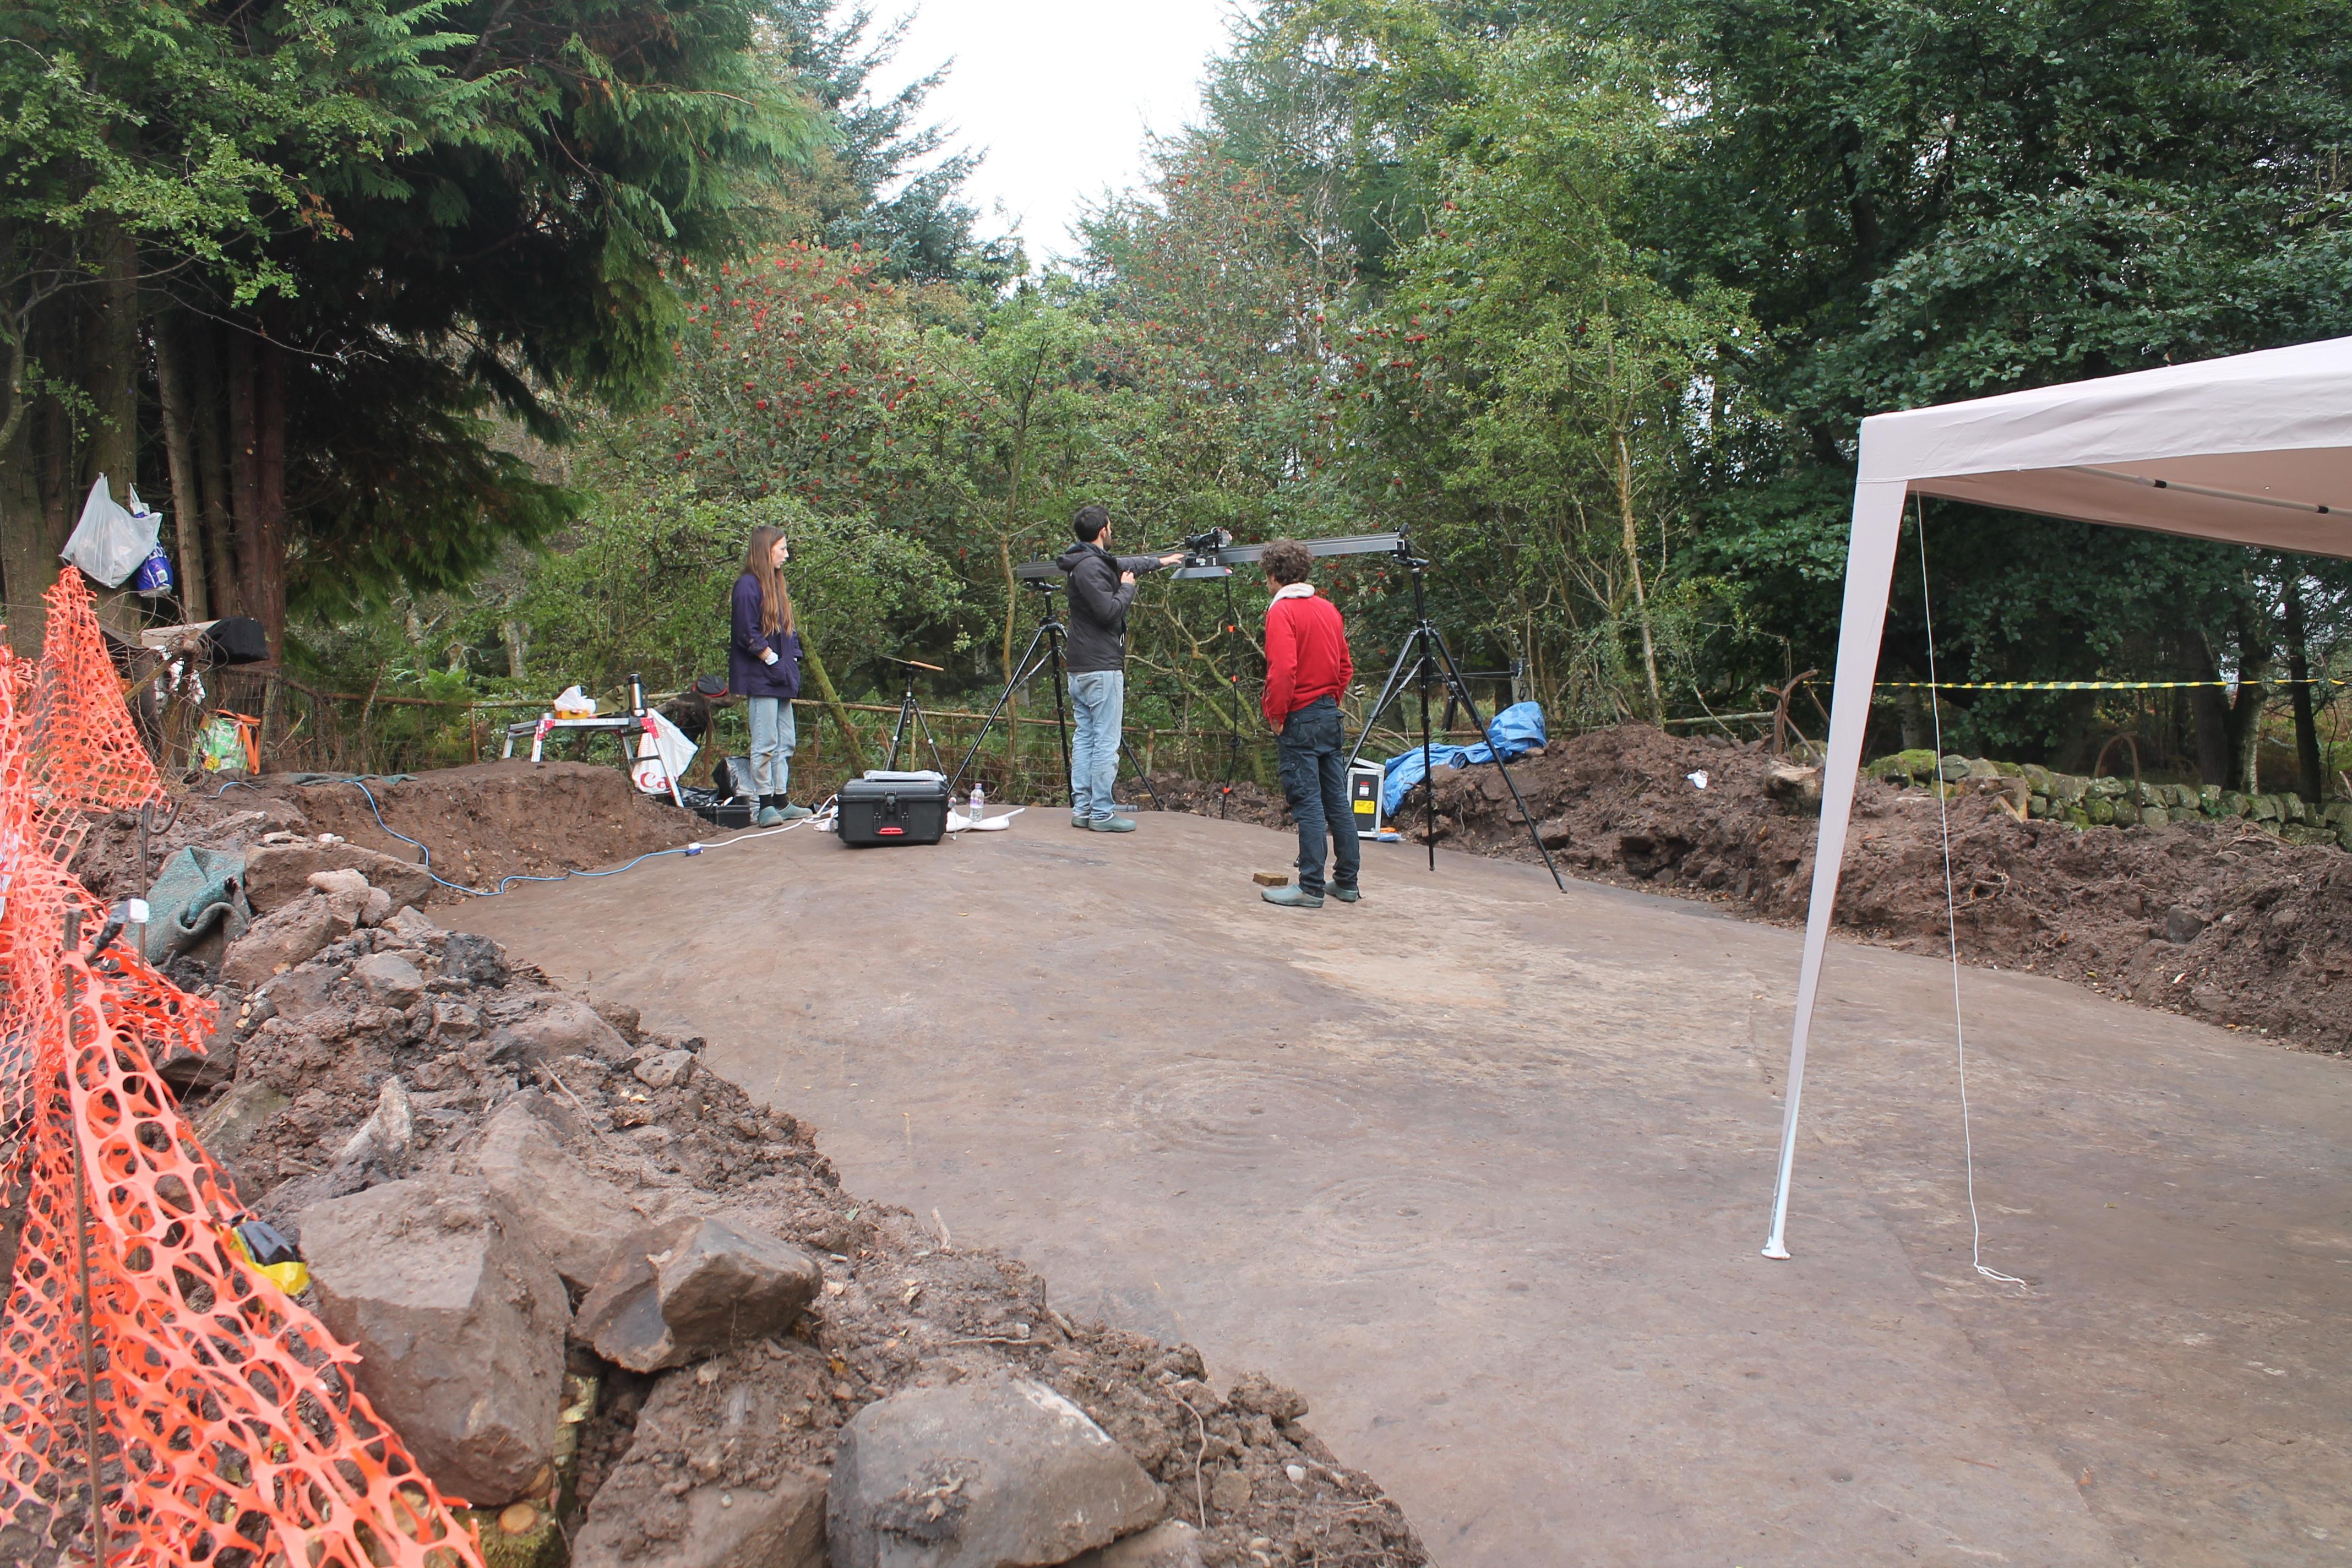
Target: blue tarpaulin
<point>1516,731</point>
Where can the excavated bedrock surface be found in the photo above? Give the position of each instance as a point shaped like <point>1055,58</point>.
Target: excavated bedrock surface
<point>1482,1168</point>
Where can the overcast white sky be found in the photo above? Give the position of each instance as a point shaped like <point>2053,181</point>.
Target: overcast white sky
<point>1059,93</point>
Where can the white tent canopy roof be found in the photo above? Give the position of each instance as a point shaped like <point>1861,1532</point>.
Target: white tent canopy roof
<point>2255,449</point>
<point>2251,449</point>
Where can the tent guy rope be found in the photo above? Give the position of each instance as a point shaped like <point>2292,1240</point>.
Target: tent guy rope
<point>1952,923</point>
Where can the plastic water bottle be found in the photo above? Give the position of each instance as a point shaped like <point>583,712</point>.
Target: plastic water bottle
<point>979,800</point>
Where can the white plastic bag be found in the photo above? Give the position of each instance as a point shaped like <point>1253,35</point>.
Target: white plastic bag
<point>663,754</point>
<point>110,543</point>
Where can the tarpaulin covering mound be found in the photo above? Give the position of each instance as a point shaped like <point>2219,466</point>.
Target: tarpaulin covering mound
<point>160,1401</point>
<point>1516,731</point>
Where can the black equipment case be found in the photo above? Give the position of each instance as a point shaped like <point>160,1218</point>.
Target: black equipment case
<point>894,811</point>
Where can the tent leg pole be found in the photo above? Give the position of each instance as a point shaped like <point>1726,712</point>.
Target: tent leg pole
<point>1869,572</point>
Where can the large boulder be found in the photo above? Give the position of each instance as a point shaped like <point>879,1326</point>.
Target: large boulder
<point>554,1025</point>
<point>277,874</point>
<point>290,934</point>
<point>473,960</point>
<point>459,1321</point>
<point>230,1124</point>
<point>702,1486</point>
<point>577,1218</point>
<point>689,1287</point>
<point>988,1473</point>
<point>390,979</point>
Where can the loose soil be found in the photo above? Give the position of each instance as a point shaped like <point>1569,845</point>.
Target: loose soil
<point>481,823</point>
<point>2267,925</point>
<point>902,1305</point>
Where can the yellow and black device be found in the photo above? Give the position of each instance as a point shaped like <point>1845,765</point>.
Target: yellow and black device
<point>1364,781</point>
<point>273,1257</point>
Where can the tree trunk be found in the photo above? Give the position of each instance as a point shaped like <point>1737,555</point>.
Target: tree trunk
<point>112,373</point>
<point>2209,708</point>
<point>28,560</point>
<point>1013,590</point>
<point>112,379</point>
<point>270,527</point>
<point>1633,563</point>
<point>2247,721</point>
<point>2298,669</point>
<point>851,741</point>
<point>257,410</point>
<point>211,420</point>
<point>180,451</point>
<point>243,467</point>
<point>512,634</point>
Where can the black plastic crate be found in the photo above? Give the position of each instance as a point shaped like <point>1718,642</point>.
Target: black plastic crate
<point>875,812</point>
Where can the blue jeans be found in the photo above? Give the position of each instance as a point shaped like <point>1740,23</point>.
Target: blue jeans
<point>1099,697</point>
<point>1314,780</point>
<point>773,736</point>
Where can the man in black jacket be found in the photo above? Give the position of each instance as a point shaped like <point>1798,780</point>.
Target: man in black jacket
<point>1102,586</point>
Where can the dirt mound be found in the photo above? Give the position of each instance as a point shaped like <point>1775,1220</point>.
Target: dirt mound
<point>481,823</point>
<point>2218,920</point>
<point>504,819</point>
<point>1246,802</point>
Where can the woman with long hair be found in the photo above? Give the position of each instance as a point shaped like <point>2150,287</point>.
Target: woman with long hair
<point>763,668</point>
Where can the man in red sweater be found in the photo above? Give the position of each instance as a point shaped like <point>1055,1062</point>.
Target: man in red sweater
<point>1306,668</point>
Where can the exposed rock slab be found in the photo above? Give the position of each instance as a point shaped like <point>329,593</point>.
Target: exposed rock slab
<point>690,1287</point>
<point>292,933</point>
<point>555,1025</point>
<point>577,1218</point>
<point>993,1472</point>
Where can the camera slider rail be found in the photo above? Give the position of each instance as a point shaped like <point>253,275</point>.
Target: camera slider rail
<point>1214,554</point>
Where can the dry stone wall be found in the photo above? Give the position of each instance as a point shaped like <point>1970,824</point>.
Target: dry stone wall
<point>2109,802</point>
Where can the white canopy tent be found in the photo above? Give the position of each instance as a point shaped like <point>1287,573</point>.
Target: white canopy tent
<point>2251,449</point>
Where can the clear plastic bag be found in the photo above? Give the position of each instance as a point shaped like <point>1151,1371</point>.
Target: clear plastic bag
<point>110,542</point>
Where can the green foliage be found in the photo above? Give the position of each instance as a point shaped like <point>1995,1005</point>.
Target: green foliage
<point>643,586</point>
<point>1927,202</point>
<point>1590,299</point>
<point>889,187</point>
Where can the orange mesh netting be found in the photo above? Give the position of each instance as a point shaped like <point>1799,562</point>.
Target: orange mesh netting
<point>83,754</point>
<point>228,1430</point>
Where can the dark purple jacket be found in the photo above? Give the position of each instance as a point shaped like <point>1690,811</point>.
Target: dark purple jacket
<point>748,675</point>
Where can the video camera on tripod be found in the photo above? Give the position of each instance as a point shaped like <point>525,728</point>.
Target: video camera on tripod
<point>1422,658</point>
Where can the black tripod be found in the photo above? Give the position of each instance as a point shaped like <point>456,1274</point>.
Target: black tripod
<point>1425,651</point>
<point>1045,651</point>
<point>1233,629</point>
<point>910,718</point>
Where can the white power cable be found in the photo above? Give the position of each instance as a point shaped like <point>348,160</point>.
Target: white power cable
<point>1952,920</point>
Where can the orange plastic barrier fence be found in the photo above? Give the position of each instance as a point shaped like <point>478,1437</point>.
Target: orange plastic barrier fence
<point>161,1401</point>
